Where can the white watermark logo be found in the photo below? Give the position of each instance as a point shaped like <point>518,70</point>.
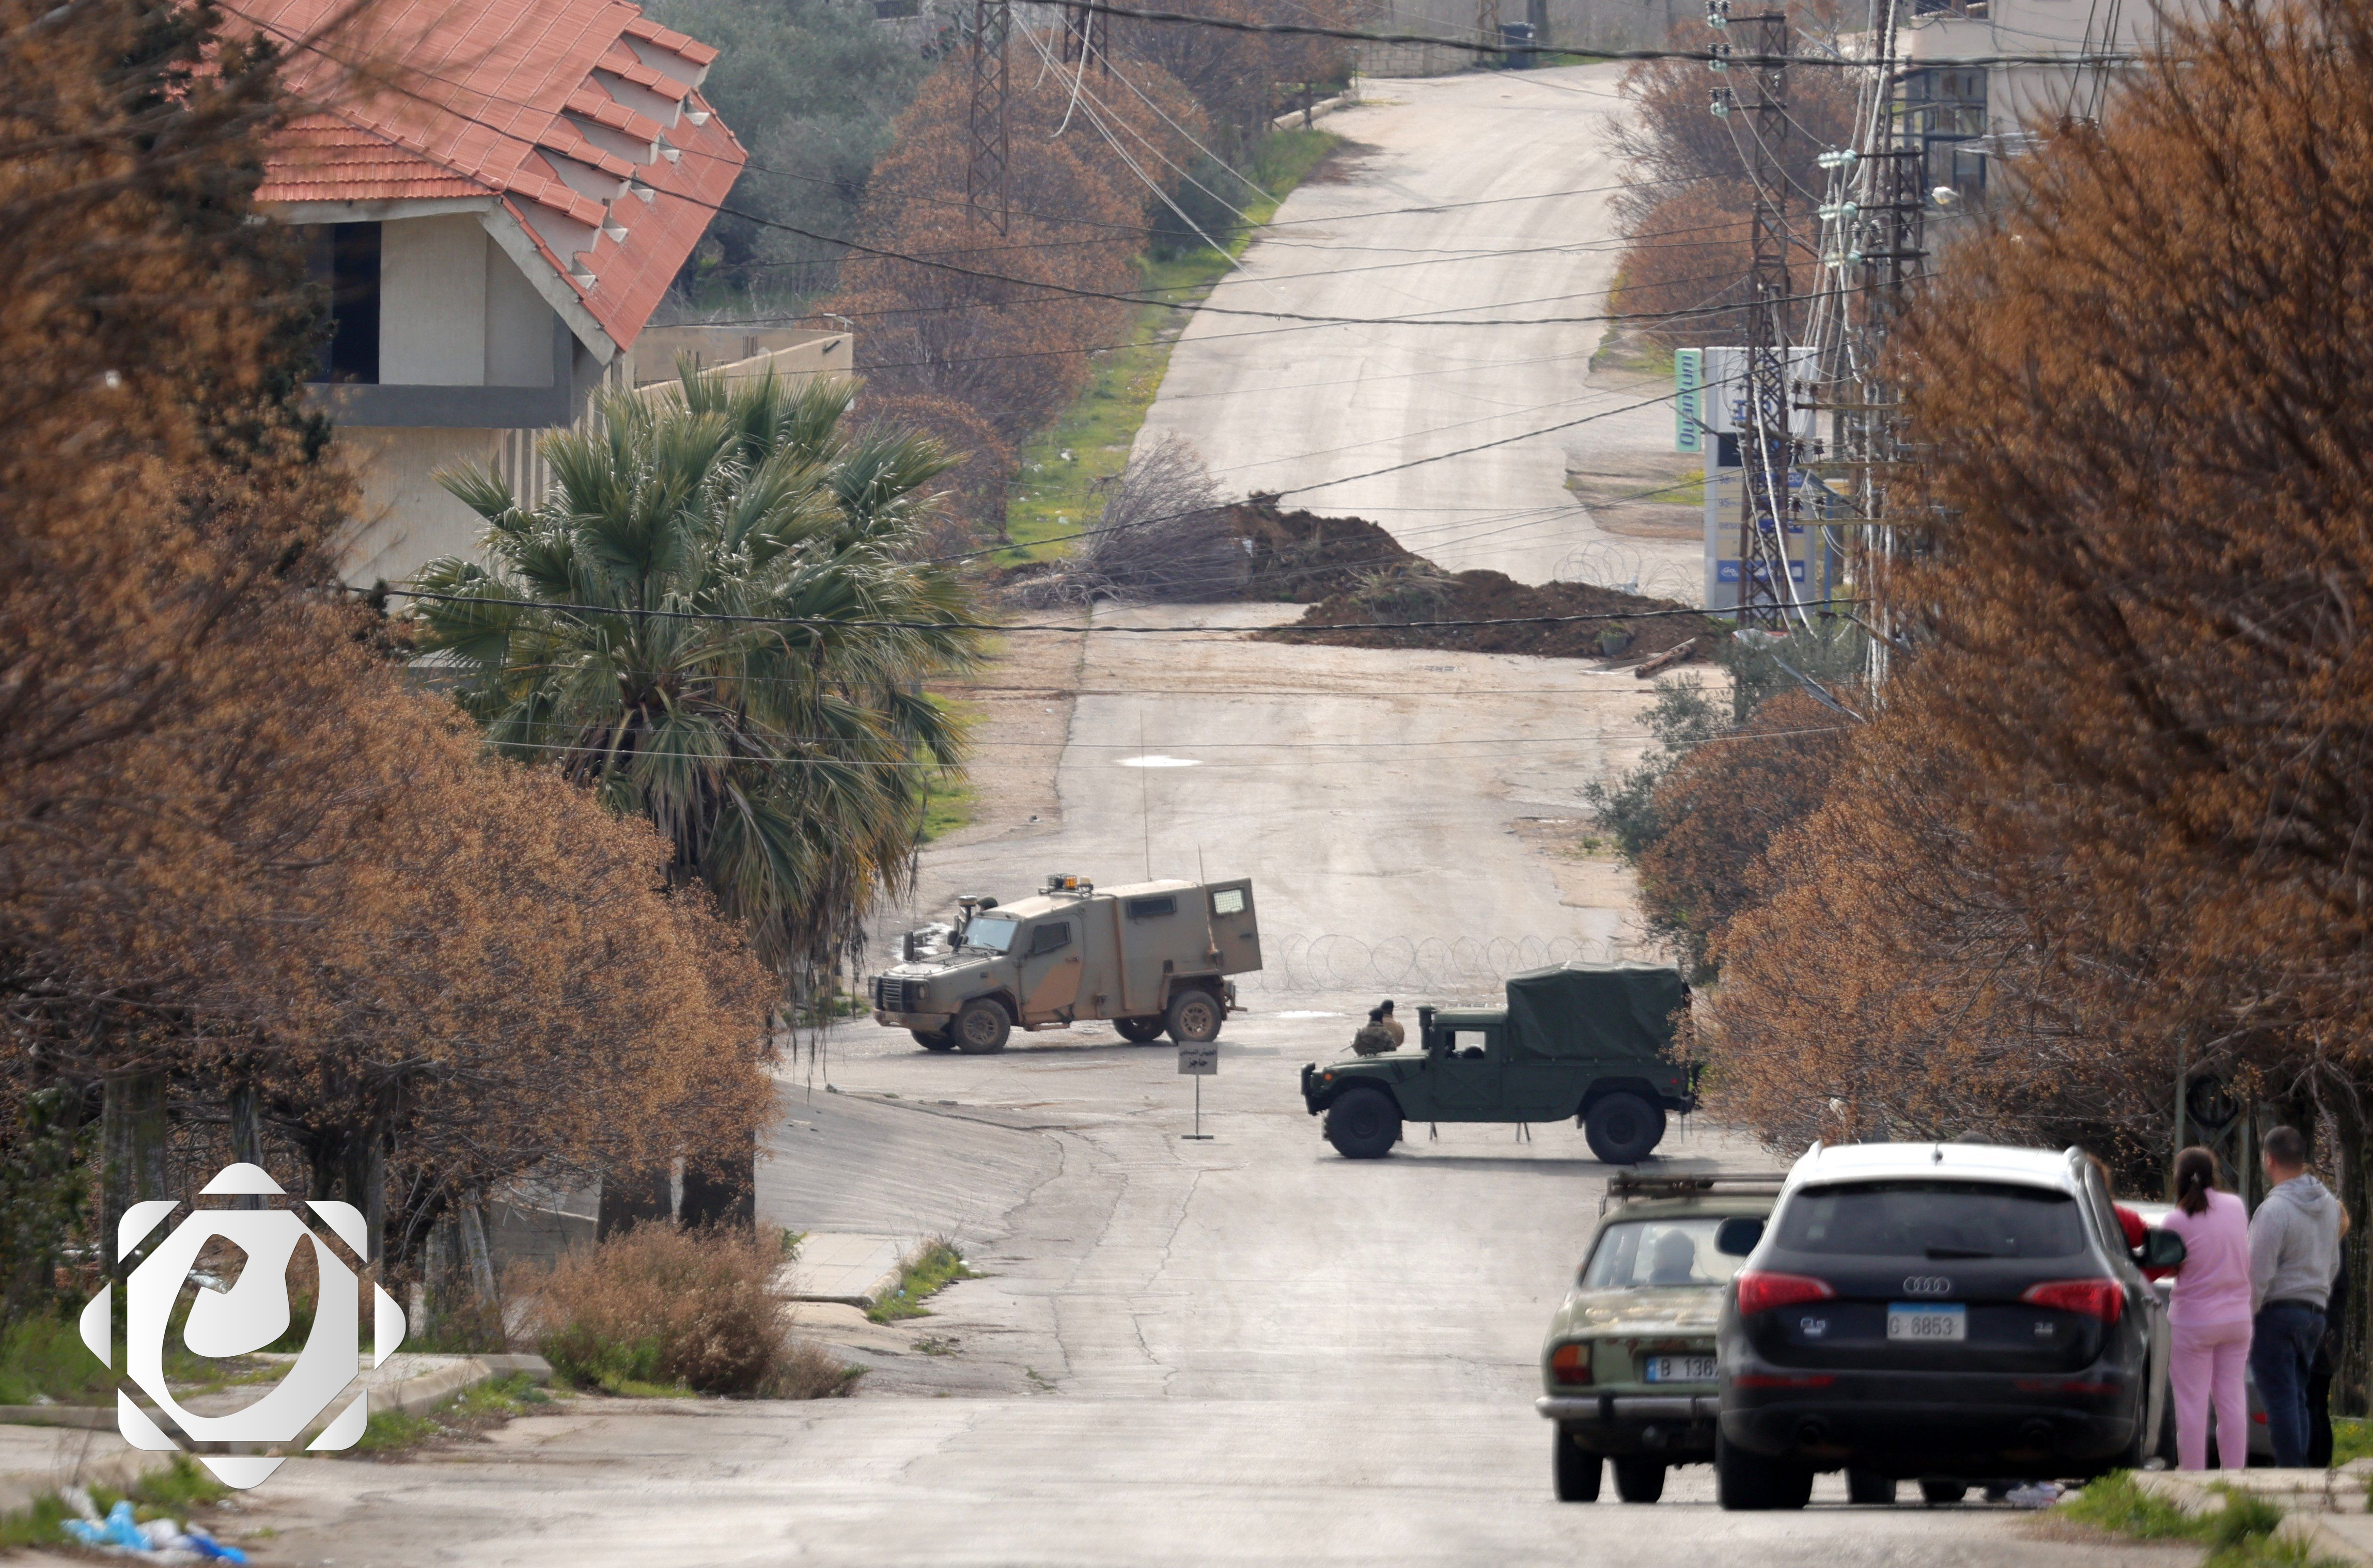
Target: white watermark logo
<point>251,1314</point>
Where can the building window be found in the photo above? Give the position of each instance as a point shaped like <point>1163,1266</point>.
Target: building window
<point>343,259</point>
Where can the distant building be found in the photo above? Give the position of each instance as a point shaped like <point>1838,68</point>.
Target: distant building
<point>497,194</point>
<point>1968,107</point>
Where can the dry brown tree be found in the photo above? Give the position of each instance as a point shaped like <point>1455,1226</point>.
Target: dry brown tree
<point>256,896</point>
<point>2124,802</point>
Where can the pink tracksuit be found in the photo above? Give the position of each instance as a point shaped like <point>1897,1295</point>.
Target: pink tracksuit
<point>2210,1321</point>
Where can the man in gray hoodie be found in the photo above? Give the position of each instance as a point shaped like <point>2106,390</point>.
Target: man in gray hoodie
<point>2294,1253</point>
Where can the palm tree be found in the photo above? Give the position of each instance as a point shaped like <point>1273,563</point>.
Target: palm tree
<point>785,756</point>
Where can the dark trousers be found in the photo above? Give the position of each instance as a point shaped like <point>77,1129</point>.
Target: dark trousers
<point>2282,1352</point>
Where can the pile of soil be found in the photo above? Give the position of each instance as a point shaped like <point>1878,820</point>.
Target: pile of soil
<point>1489,596</point>
<point>1298,558</point>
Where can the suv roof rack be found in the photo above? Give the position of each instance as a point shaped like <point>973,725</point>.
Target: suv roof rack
<point>1625,1185</point>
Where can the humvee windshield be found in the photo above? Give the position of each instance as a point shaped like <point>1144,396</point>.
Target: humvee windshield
<point>1659,1252</point>
<point>996,936</point>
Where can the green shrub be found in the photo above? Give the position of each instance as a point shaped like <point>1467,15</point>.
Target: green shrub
<point>44,1358</point>
<point>931,1270</point>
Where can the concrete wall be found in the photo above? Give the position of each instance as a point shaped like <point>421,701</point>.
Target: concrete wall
<point>796,353</point>
<point>1560,25</point>
<point>407,519</point>
<point>456,311</point>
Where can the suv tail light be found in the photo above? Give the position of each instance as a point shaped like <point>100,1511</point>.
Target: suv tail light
<point>1761,1292</point>
<point>1570,1363</point>
<point>2104,1299</point>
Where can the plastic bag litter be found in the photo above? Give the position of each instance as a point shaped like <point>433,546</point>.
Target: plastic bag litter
<point>158,1540</point>
<point>2038,1495</point>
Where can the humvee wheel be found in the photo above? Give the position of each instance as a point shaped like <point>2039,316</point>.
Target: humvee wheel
<point>1577,1472</point>
<point>1195,1016</point>
<point>1639,1480</point>
<point>1623,1129</point>
<point>981,1027</point>
<point>941,1041</point>
<point>1364,1124</point>
<point>1138,1030</point>
<point>1940,1492</point>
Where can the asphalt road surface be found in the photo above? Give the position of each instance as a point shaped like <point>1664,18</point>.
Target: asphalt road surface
<point>1468,200</point>
<point>1243,1351</point>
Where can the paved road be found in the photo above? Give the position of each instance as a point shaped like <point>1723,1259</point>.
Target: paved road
<point>1376,795</point>
<point>1286,410</point>
<point>1245,1351</point>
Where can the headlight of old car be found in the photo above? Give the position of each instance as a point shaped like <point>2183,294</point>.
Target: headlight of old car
<point>1570,1363</point>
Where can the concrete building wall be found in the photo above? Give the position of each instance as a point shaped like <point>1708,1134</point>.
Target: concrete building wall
<point>518,324</point>
<point>405,519</point>
<point>1557,24</point>
<point>432,323</point>
<point>797,353</point>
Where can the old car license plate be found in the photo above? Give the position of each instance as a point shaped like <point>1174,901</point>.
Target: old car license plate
<point>1680,1369</point>
<point>1927,1322</point>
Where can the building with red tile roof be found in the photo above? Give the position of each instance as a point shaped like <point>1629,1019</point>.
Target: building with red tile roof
<point>497,195</point>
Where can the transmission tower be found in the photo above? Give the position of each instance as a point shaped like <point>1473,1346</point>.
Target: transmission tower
<point>1086,37</point>
<point>1767,446</point>
<point>1487,23</point>
<point>985,183</point>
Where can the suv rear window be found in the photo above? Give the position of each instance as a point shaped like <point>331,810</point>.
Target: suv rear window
<point>1931,1219</point>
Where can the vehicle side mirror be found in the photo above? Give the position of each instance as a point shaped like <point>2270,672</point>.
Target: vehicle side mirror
<point>1737,1236</point>
<point>2161,1250</point>
<point>909,947</point>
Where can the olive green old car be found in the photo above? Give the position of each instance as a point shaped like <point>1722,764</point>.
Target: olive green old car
<point>1590,1041</point>
<point>1629,1364</point>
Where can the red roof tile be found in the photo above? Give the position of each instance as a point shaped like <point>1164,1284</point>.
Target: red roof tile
<point>460,99</point>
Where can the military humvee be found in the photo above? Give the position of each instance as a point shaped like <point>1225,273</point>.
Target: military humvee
<point>1153,957</point>
<point>1591,1041</point>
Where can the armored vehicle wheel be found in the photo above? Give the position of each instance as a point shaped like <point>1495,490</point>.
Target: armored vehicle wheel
<point>1940,1494</point>
<point>1577,1472</point>
<point>1195,1016</point>
<point>981,1027</point>
<point>1623,1129</point>
<point>1868,1486</point>
<point>1138,1030</point>
<point>1639,1480</point>
<point>1744,1481</point>
<point>1364,1124</point>
<point>941,1041</point>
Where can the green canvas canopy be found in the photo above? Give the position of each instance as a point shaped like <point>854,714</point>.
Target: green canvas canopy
<point>1622,1012</point>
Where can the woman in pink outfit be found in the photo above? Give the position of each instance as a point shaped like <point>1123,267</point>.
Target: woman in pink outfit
<point>2210,1316</point>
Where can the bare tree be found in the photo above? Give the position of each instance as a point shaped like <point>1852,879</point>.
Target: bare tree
<point>1162,537</point>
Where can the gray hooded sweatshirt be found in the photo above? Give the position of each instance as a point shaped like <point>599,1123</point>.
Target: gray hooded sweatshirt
<point>2295,1244</point>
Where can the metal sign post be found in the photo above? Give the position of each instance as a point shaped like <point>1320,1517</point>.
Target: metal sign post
<point>1199,1061</point>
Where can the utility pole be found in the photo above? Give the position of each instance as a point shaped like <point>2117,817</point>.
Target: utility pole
<point>987,190</point>
<point>1767,444</point>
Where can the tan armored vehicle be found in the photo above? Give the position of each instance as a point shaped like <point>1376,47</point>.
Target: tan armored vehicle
<point>1153,957</point>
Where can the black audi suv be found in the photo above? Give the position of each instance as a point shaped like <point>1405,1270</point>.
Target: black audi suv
<point>1940,1311</point>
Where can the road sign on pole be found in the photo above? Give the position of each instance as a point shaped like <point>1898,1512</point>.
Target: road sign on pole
<point>1199,1060</point>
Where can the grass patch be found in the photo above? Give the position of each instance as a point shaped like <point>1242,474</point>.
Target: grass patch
<point>2351,1439</point>
<point>2242,1534</point>
<point>44,1358</point>
<point>937,1266</point>
<point>466,1414</point>
<point>949,807</point>
<point>1057,491</point>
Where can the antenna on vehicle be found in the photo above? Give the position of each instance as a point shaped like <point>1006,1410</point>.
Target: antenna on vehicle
<point>1145,804</point>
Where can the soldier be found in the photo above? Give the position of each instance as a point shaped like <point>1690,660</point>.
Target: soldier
<point>1375,1038</point>
<point>1391,1024</point>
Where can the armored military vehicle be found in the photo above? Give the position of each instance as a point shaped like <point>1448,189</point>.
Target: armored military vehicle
<point>1591,1041</point>
<point>1153,957</point>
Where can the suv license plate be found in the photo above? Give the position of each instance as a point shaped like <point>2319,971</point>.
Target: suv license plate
<point>1927,1322</point>
<point>1680,1369</point>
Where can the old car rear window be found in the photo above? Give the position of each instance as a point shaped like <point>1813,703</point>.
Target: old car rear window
<point>1659,1252</point>
<point>1931,1219</point>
